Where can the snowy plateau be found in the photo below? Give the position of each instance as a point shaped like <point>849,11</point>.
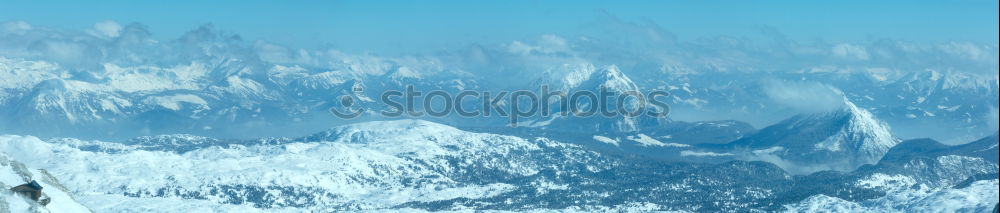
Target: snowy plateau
<point>423,166</point>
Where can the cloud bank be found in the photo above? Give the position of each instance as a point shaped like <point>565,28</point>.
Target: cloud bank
<point>804,96</point>
<point>608,40</point>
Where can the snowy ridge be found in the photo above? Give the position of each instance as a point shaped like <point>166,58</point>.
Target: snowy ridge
<point>17,76</point>
<point>149,79</point>
<point>566,77</point>
<point>213,93</point>
<point>940,171</point>
<point>951,169</point>
<point>76,101</point>
<point>981,196</point>
<point>922,183</point>
<point>932,164</point>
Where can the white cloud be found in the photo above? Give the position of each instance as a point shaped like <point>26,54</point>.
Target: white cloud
<point>969,51</point>
<point>546,44</point>
<point>519,48</point>
<point>851,51</point>
<point>106,29</point>
<point>804,96</point>
<point>15,27</point>
<point>66,53</point>
<point>553,44</point>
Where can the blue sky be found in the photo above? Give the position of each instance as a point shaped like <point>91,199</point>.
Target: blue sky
<point>420,25</point>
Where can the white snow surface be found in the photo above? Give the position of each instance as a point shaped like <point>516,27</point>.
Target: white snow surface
<point>13,173</point>
<point>980,196</point>
<point>365,166</point>
<point>645,140</point>
<point>704,154</point>
<point>606,140</point>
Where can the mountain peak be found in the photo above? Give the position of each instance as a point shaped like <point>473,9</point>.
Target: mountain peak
<point>612,79</point>
<point>841,140</point>
<point>566,76</point>
<point>607,79</point>
<point>586,76</point>
<point>874,136</point>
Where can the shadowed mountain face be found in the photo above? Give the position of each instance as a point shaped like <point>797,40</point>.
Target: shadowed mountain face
<point>985,148</point>
<point>914,148</point>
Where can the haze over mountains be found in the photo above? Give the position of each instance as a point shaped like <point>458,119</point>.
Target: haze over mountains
<point>95,84</point>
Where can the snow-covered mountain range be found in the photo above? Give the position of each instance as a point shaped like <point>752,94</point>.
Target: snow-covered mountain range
<point>412,164</point>
<point>212,83</point>
<point>209,122</point>
<point>221,97</point>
